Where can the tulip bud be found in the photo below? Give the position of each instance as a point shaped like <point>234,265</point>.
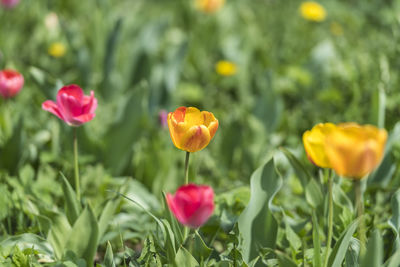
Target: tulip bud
<point>192,205</point>
<point>72,106</point>
<point>11,83</point>
<point>190,129</point>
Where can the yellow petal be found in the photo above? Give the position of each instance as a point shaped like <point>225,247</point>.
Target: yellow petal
<point>195,139</point>
<point>354,151</point>
<point>314,144</point>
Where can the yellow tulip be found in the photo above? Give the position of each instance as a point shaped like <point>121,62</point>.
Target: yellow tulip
<point>225,68</point>
<point>314,144</point>
<point>312,11</point>
<point>57,49</point>
<point>355,150</point>
<point>209,6</point>
<point>191,129</point>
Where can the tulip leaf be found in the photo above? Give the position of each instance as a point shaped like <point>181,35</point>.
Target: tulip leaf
<point>339,250</point>
<point>109,257</point>
<point>58,234</point>
<point>184,258</point>
<point>27,241</point>
<point>83,237</point>
<point>72,206</point>
<point>200,250</point>
<point>394,260</point>
<point>316,240</point>
<point>394,221</point>
<point>353,253</point>
<point>300,170</point>
<point>374,255</point>
<point>314,195</point>
<point>257,225</point>
<point>106,216</point>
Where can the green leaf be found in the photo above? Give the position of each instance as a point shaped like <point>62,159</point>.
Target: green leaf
<point>394,221</point>
<point>394,260</point>
<point>353,253</point>
<point>374,254</point>
<point>257,225</point>
<point>339,250</point>
<point>83,237</point>
<point>108,257</point>
<point>28,241</point>
<point>73,208</point>
<point>200,250</point>
<point>293,238</point>
<point>58,234</point>
<point>300,170</point>
<point>316,241</point>
<point>314,195</point>
<point>184,258</point>
<point>106,216</point>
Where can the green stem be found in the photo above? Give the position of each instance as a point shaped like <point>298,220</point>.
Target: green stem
<point>360,213</point>
<point>77,184</point>
<point>187,167</point>
<point>330,219</point>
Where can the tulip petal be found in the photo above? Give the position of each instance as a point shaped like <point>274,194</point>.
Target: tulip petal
<point>71,90</point>
<point>193,117</point>
<point>52,107</point>
<point>195,139</point>
<point>175,209</point>
<point>89,103</point>
<point>82,119</point>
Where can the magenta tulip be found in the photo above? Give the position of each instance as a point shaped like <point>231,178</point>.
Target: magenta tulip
<point>72,106</point>
<point>9,3</point>
<point>11,83</point>
<point>192,205</point>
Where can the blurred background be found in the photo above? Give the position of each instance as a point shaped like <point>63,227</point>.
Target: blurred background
<point>267,69</point>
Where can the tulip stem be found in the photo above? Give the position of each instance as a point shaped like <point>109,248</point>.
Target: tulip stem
<point>187,167</point>
<point>330,218</point>
<point>360,213</point>
<point>77,185</point>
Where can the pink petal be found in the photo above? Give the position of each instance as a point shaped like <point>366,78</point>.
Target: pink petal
<point>69,106</point>
<point>71,90</point>
<point>90,103</point>
<point>76,121</point>
<point>52,107</point>
<point>174,209</point>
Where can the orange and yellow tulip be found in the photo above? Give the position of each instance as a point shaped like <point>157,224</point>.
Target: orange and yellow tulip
<point>355,150</point>
<point>191,129</point>
<point>314,144</point>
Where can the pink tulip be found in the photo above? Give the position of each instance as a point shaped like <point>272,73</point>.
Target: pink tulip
<point>9,3</point>
<point>72,106</point>
<point>192,205</point>
<point>11,83</point>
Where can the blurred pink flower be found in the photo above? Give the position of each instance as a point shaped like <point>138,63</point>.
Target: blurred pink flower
<point>72,106</point>
<point>162,118</point>
<point>9,3</point>
<point>11,83</point>
<point>192,205</point>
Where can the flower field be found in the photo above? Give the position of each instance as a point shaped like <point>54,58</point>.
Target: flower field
<point>199,133</point>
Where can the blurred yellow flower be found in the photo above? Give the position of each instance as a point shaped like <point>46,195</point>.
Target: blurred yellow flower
<point>225,68</point>
<point>355,150</point>
<point>314,144</point>
<point>57,49</point>
<point>312,11</point>
<point>209,6</point>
